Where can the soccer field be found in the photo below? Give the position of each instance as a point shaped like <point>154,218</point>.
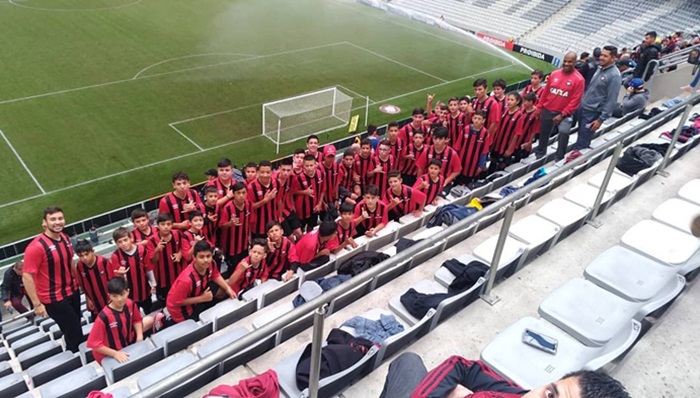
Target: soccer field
<point>102,100</point>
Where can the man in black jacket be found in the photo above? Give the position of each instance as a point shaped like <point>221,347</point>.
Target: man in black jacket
<point>647,52</point>
<point>13,288</point>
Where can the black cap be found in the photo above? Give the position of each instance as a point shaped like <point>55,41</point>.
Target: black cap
<point>624,62</point>
<point>211,172</point>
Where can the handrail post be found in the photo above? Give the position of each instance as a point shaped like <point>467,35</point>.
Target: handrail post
<point>674,139</point>
<point>604,186</point>
<point>316,344</point>
<point>502,236</point>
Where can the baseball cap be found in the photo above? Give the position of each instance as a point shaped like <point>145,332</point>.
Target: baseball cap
<point>624,62</point>
<point>329,150</point>
<point>636,83</point>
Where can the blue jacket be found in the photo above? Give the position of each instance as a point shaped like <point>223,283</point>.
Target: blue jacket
<point>375,331</point>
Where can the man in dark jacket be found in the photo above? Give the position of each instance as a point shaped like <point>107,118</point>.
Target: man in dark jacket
<point>460,377</point>
<point>13,289</point>
<point>647,52</point>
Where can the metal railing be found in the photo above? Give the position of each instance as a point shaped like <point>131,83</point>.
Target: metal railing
<point>319,302</point>
<point>667,61</point>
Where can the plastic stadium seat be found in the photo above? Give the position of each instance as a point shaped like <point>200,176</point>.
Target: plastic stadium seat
<point>28,342</point>
<point>5,368</point>
<point>46,325</point>
<point>85,353</point>
<point>257,292</point>
<point>4,354</point>
<point>635,277</point>
<point>253,351</point>
<point>53,367</point>
<point>179,336</point>
<point>506,351</point>
<point>272,314</point>
<point>349,297</point>
<point>567,215</point>
<point>385,236</point>
<point>665,244</point>
<point>12,385</point>
<point>390,274</point>
<point>55,332</point>
<point>282,290</point>
<point>538,233</point>
<point>38,353</point>
<point>77,383</point>
<point>121,392</point>
<point>15,326</point>
<point>227,312</point>
<point>587,312</point>
<point>171,365</point>
<point>620,184</point>
<point>141,355</point>
<point>329,386</point>
<point>21,333</point>
<point>422,286</point>
<point>676,213</point>
<point>514,252</point>
<point>691,191</point>
<point>584,195</point>
<point>427,253</point>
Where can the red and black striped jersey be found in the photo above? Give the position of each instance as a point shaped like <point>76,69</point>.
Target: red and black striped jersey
<point>432,188</point>
<point>501,103</point>
<point>319,154</point>
<point>51,264</point>
<point>176,206</point>
<point>211,228</point>
<point>380,214</point>
<point>234,240</point>
<point>165,269</point>
<point>476,145</point>
<point>189,283</point>
<point>449,158</point>
<point>406,132</point>
<point>222,188</point>
<point>114,329</point>
<point>396,148</point>
<point>455,128</point>
<point>381,180</point>
<point>408,166</point>
<point>189,239</point>
<point>137,276</point>
<point>304,204</point>
<point>137,236</point>
<point>93,280</point>
<point>491,107</point>
<point>362,167</point>
<point>268,211</point>
<point>279,260</point>
<point>537,92</point>
<point>345,233</point>
<point>530,126</point>
<point>410,200</point>
<point>331,180</point>
<point>247,279</point>
<point>510,126</point>
<point>346,177</point>
<point>288,197</point>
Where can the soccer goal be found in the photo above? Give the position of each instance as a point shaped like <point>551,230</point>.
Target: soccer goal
<point>293,118</point>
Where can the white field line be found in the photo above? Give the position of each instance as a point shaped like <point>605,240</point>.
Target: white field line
<point>74,9</point>
<point>9,144</point>
<point>136,76</point>
<point>170,72</point>
<point>396,62</point>
<point>423,32</point>
<point>186,137</point>
<point>359,96</point>
<point>228,143</point>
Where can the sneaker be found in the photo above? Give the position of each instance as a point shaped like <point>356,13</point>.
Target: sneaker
<point>575,154</point>
<point>158,322</point>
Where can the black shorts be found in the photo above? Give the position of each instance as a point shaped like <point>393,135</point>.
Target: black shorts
<point>408,179</point>
<point>309,223</point>
<point>290,223</point>
<point>232,262</point>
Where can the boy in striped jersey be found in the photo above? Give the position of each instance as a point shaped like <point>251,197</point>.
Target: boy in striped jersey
<point>129,262</point>
<point>164,252</point>
<point>142,227</point>
<point>92,275</point>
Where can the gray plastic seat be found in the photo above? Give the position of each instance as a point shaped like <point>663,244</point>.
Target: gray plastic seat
<point>513,254</point>
<point>226,313</point>
<point>55,332</point>
<point>348,297</point>
<point>38,353</point>
<point>538,233</point>
<point>121,392</point>
<point>664,244</point>
<point>257,292</point>
<point>676,213</point>
<point>567,215</point>
<point>427,253</point>
<point>328,386</point>
<point>272,314</point>
<point>587,312</point>
<point>4,353</point>
<point>691,191</point>
<point>5,368</point>
<point>28,342</point>
<point>53,367</point>
<point>12,385</point>
<point>85,353</point>
<point>45,326</point>
<point>620,184</point>
<point>21,333</point>
<point>390,274</point>
<point>635,277</point>
<point>171,365</point>
<point>179,336</point>
<point>584,195</point>
<point>77,383</point>
<point>506,351</point>
<point>141,355</point>
<point>253,351</point>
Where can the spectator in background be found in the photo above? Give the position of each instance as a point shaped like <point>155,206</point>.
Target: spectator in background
<point>626,70</point>
<point>582,64</point>
<point>598,102</point>
<point>13,289</point>
<point>648,51</point>
<point>593,63</point>
<point>635,99</point>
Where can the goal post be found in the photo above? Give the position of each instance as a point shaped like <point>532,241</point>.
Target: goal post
<point>290,119</point>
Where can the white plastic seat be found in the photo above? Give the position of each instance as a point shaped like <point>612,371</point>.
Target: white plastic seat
<point>585,195</point>
<point>171,365</point>
<point>620,184</point>
<point>77,383</point>
<point>226,312</point>
<point>538,233</point>
<point>677,213</point>
<point>587,312</point>
<point>664,244</point>
<point>272,314</point>
<point>506,351</point>
<point>257,292</point>
<point>52,367</point>
<point>141,355</point>
<point>179,336</point>
<point>691,191</point>
<point>513,253</point>
<point>567,215</point>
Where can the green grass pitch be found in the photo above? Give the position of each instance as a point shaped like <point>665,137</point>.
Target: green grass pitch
<point>102,100</point>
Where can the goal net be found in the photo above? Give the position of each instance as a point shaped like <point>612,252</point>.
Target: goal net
<point>293,118</point>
